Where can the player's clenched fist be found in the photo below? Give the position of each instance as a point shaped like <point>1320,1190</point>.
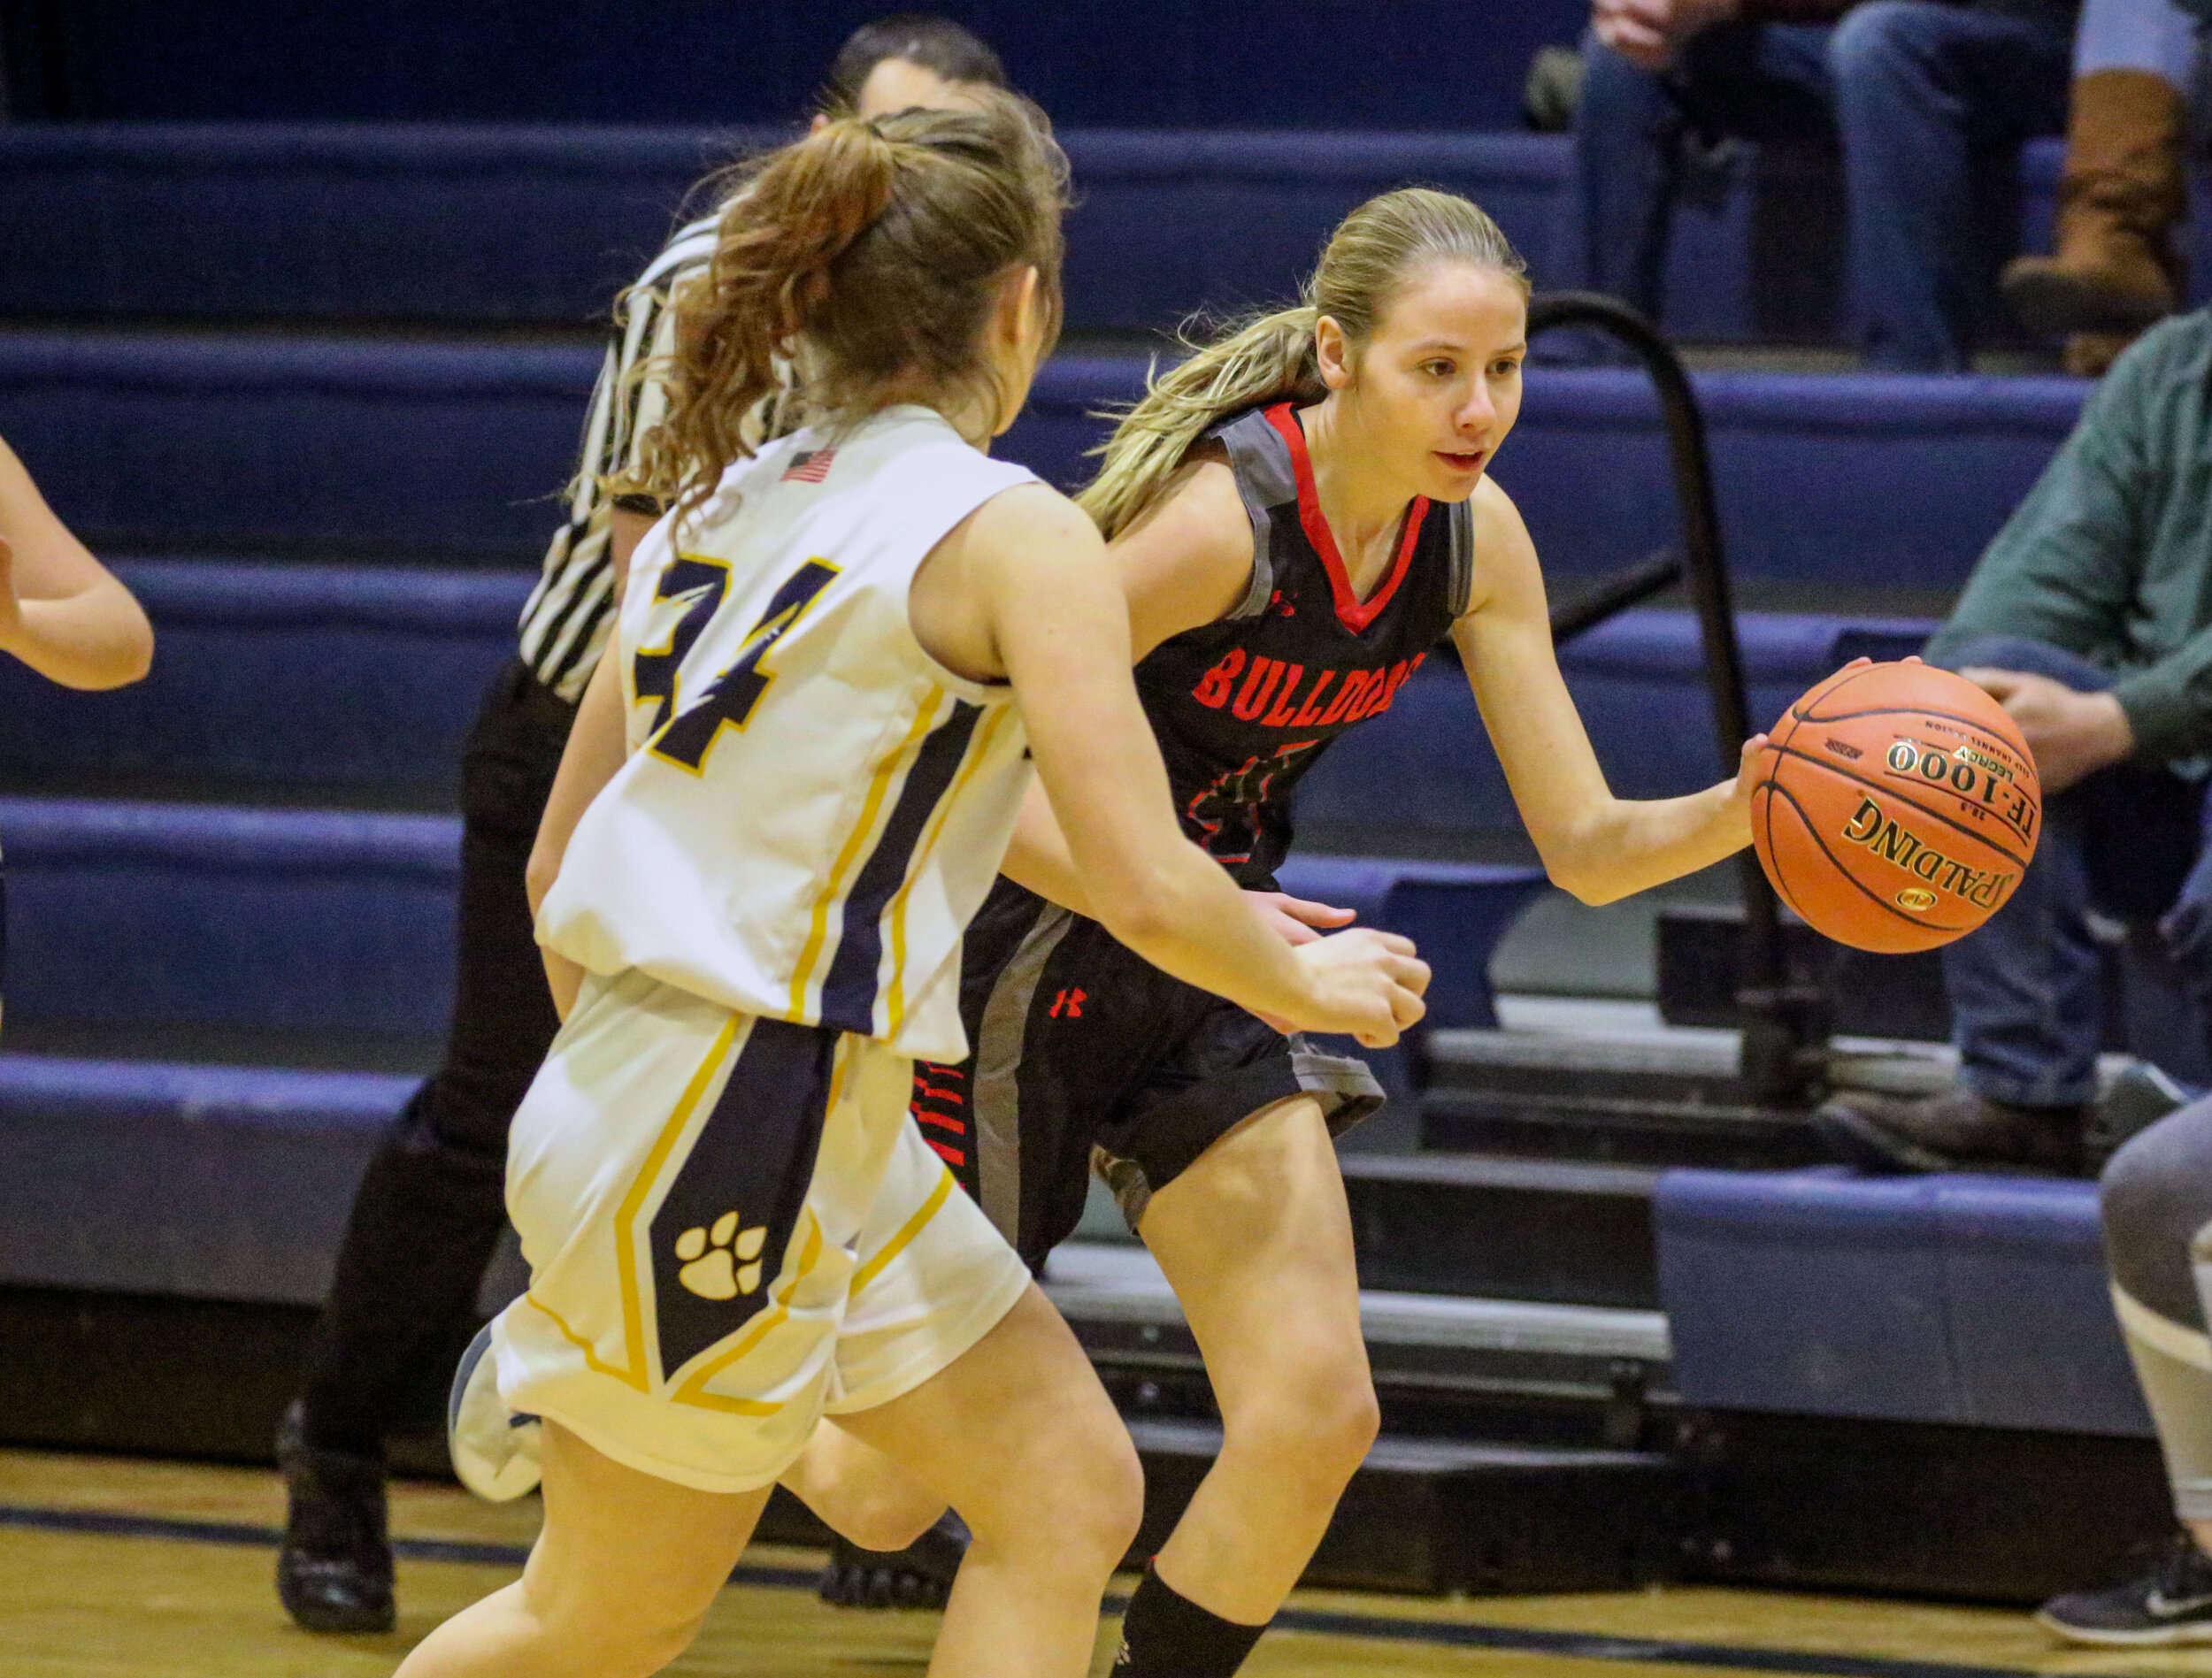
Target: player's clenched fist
<point>1364,983</point>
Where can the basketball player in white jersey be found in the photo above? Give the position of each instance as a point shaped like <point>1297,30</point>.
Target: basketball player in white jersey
<point>788,789</point>
<point>429,1210</point>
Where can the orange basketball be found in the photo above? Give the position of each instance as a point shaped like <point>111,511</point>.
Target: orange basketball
<point>1896,807</point>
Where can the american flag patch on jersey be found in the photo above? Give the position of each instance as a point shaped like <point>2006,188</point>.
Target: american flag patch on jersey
<point>810,467</point>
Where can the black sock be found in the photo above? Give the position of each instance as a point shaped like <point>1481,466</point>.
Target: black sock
<point>1166,1635</point>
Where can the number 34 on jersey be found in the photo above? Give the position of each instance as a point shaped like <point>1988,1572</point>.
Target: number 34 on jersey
<point>684,726</point>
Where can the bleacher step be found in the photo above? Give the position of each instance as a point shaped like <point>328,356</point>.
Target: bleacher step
<point>380,447</point>
<point>342,920</point>
<point>1434,1515</point>
<point>1420,1345</point>
<point>1553,1232</point>
<point>1641,1098</point>
<point>359,681</point>
<point>192,1182</point>
<point>489,222</point>
<point>322,679</point>
<point>288,920</point>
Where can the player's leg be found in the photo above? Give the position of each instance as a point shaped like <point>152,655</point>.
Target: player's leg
<point>1017,1435</point>
<point>2156,1199</point>
<point>1018,1145</point>
<point>860,1493</point>
<point>1257,1239</point>
<point>620,1578</point>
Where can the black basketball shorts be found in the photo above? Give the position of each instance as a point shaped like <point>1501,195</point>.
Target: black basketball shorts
<point>1084,1057</point>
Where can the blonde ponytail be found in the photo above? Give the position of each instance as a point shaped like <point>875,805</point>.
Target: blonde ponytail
<point>1270,358</point>
<point>1262,359</point>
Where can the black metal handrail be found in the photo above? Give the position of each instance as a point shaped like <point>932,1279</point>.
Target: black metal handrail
<point>1614,593</point>
<point>1784,1057</point>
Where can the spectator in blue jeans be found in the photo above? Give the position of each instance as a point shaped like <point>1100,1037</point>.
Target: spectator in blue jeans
<point>1914,91</point>
<point>2090,619</point>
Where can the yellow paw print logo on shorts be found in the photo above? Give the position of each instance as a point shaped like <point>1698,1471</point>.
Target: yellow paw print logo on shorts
<point>711,1269</point>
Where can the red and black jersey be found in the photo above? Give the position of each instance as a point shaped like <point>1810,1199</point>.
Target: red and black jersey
<point>1243,706</point>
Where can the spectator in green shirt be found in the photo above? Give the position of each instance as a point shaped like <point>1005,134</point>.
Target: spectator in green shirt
<point>2090,619</point>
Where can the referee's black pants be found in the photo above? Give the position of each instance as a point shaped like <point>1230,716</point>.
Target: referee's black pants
<point>430,1208</point>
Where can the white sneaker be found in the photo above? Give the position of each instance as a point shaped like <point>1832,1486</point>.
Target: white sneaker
<point>495,1450</point>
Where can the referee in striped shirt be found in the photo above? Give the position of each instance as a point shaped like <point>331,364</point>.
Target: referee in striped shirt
<point>430,1208</point>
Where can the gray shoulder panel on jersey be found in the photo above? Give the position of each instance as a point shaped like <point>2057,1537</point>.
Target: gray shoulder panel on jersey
<point>1462,572</point>
<point>1265,479</point>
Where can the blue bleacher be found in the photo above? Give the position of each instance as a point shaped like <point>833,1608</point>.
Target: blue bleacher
<point>154,442</point>
<point>290,675</point>
<point>169,442</point>
<point>125,912</point>
<point>541,225</point>
<point>1959,1299</point>
<point>1870,481</point>
<point>223,1183</point>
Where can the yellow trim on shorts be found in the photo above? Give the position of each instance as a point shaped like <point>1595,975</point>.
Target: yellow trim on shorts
<point>833,888</point>
<point>625,1215</point>
<point>694,1390</point>
<point>592,1360</point>
<point>912,1227</point>
<point>895,997</point>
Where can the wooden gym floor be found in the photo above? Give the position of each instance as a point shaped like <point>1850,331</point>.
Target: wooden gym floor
<point>118,1568</point>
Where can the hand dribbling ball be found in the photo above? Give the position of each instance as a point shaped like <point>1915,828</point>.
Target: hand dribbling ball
<point>1895,807</point>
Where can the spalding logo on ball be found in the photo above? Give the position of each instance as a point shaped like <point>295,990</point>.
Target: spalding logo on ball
<point>1896,807</point>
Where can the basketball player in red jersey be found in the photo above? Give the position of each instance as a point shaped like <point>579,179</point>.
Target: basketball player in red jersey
<point>1300,512</point>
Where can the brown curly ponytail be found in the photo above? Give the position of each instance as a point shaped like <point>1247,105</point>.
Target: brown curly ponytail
<point>868,253</point>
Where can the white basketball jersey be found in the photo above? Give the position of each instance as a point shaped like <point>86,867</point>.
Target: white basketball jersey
<point>813,808</point>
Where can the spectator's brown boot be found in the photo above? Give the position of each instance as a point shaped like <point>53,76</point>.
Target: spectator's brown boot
<point>2121,195</point>
<point>1957,1130</point>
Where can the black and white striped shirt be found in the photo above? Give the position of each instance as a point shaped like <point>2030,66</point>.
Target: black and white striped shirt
<point>565,621</point>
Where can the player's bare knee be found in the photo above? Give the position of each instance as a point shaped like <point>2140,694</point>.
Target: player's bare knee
<point>1112,1500</point>
<point>1314,1431</point>
<point>608,1644</point>
<point>1086,1510</point>
<point>887,1522</point>
<point>1105,1502</point>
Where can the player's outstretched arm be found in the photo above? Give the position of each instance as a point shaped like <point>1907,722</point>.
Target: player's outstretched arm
<point>1035,574</point>
<point>61,612</point>
<point>594,751</point>
<point>1187,561</point>
<point>1593,845</point>
<point>1038,859</point>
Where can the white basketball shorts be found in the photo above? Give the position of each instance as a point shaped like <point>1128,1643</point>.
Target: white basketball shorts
<point>733,1229</point>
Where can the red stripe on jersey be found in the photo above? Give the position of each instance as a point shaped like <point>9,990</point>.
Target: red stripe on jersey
<point>922,1115</point>
<point>1353,613</point>
<point>951,1156</point>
